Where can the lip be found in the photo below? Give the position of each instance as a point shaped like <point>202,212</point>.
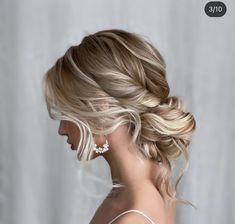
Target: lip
<point>72,147</point>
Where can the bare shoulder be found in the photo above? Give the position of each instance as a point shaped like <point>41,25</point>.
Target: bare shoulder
<point>132,217</point>
<point>151,203</point>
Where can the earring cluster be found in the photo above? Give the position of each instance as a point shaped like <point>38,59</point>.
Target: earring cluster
<point>102,149</point>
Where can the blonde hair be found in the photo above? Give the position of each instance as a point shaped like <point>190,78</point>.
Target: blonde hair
<point>112,78</point>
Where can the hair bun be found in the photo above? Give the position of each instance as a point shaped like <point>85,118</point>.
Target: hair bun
<point>175,102</point>
<point>169,126</point>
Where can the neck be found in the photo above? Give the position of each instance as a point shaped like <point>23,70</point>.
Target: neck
<point>127,167</point>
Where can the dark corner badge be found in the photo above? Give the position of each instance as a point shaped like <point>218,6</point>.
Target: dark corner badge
<point>215,9</point>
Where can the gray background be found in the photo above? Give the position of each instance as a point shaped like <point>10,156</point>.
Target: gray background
<point>39,176</point>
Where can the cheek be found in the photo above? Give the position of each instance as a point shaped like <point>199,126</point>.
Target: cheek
<point>75,134</point>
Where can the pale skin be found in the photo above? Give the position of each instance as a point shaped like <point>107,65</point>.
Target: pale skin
<point>140,192</point>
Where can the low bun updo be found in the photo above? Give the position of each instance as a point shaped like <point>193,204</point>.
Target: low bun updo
<point>113,78</point>
<point>166,132</point>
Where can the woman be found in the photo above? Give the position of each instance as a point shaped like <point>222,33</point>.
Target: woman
<point>112,97</point>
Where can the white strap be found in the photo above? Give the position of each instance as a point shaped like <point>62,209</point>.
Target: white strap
<point>133,210</point>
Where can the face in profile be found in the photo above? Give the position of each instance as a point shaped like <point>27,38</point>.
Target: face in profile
<point>70,130</point>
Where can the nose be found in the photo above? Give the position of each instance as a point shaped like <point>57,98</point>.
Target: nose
<point>62,130</point>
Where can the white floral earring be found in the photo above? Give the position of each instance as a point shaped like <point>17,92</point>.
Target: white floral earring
<point>102,149</point>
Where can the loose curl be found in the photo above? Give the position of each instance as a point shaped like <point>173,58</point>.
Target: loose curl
<point>112,78</point>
